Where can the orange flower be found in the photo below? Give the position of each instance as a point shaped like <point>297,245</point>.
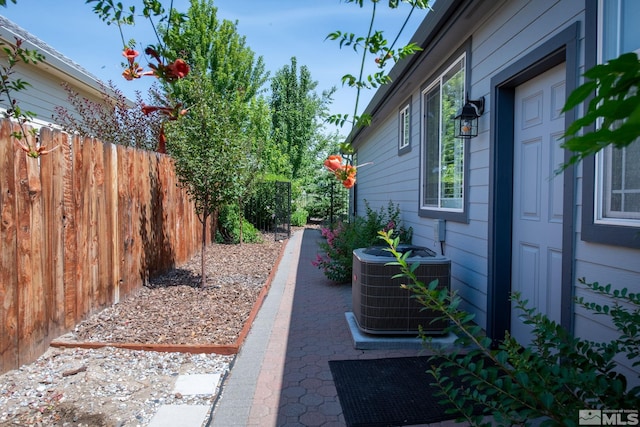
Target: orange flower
<point>333,162</point>
<point>349,182</point>
<point>178,69</point>
<point>130,54</point>
<point>148,109</point>
<point>347,174</point>
<point>132,73</point>
<point>34,152</point>
<point>345,171</point>
<point>171,113</point>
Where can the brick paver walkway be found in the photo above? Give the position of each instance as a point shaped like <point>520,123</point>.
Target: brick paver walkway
<point>294,386</point>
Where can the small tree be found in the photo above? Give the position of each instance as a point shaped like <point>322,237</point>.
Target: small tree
<point>214,143</point>
<point>208,157</point>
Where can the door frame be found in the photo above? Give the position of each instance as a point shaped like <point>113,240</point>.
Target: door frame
<point>561,48</point>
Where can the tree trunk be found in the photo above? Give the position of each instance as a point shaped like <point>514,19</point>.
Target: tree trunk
<point>204,245</point>
<point>241,216</point>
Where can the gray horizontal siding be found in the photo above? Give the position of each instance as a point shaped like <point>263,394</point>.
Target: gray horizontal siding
<point>45,92</point>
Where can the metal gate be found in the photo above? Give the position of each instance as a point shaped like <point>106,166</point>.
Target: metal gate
<point>269,209</point>
<point>282,217</point>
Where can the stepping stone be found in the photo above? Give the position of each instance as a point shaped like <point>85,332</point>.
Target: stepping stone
<point>180,415</point>
<point>197,384</point>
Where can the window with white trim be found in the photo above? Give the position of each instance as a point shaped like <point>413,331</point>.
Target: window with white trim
<point>442,156</point>
<point>617,198</point>
<point>404,124</point>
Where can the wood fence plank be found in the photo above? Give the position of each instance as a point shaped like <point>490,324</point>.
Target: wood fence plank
<point>29,261</point>
<point>83,290</point>
<point>70,251</point>
<point>156,240</point>
<point>187,226</point>
<point>134,184</point>
<point>179,226</point>
<point>111,187</point>
<point>180,229</point>
<point>134,260</point>
<point>172,213</point>
<point>23,264</point>
<point>51,167</point>
<point>167,216</point>
<point>92,234</point>
<point>57,232</point>
<point>8,255</point>
<point>46,180</point>
<point>101,230</point>
<point>124,218</point>
<point>144,216</point>
<point>39,241</point>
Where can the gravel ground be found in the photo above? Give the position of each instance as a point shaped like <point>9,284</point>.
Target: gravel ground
<point>100,387</point>
<point>118,387</point>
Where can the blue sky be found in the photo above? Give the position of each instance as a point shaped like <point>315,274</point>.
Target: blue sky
<point>275,29</point>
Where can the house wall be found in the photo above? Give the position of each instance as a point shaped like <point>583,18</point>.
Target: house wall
<point>500,37</point>
<point>604,264</point>
<point>46,92</point>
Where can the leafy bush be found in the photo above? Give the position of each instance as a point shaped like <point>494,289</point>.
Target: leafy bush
<point>547,382</point>
<point>111,119</point>
<point>229,227</point>
<point>327,199</point>
<point>299,217</point>
<point>343,238</point>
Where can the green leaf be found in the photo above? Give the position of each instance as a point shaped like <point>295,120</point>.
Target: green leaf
<point>547,399</point>
<point>522,378</point>
<point>579,95</point>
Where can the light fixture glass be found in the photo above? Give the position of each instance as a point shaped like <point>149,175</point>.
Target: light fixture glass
<point>466,121</point>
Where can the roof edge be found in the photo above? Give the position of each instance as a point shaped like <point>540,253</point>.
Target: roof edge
<point>432,23</point>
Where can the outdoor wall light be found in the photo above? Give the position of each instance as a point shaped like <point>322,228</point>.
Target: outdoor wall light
<point>466,122</point>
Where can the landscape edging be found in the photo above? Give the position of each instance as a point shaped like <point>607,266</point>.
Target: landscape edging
<point>222,349</point>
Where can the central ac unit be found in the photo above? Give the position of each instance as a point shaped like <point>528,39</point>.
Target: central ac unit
<point>381,305</point>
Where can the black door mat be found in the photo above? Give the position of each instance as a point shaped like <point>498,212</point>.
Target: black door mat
<point>388,392</point>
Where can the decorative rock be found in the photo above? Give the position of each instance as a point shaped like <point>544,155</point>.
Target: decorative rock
<point>118,387</point>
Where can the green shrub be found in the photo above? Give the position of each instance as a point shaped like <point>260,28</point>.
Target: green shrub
<point>343,238</point>
<point>260,209</point>
<point>229,227</point>
<point>546,383</point>
<point>299,217</point>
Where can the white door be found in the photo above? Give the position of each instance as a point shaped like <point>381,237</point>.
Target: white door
<point>537,197</point>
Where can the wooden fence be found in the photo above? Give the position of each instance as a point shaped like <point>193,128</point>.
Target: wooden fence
<point>80,229</point>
